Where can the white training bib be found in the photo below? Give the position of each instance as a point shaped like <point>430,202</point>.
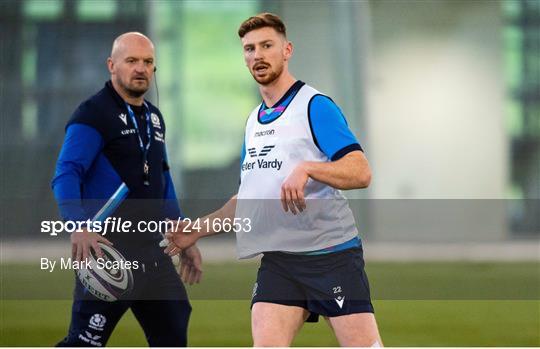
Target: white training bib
<point>273,150</point>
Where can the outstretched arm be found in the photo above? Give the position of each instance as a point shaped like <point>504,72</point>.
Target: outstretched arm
<point>181,240</point>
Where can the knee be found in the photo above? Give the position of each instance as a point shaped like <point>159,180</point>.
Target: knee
<point>265,337</point>
<point>169,340</point>
<point>271,342</point>
<point>172,331</point>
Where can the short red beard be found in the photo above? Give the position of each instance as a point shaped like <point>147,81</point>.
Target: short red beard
<point>270,77</point>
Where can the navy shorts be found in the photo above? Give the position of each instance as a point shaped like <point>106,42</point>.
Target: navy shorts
<point>330,285</point>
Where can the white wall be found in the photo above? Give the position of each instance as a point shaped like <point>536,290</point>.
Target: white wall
<point>436,100</point>
<point>421,83</point>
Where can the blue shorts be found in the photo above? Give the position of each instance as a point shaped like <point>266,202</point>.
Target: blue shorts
<point>330,285</point>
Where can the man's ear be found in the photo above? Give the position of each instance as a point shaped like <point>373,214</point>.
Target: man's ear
<point>288,50</point>
<point>110,65</point>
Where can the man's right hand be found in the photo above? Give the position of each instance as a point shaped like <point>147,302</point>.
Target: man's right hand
<point>179,237</point>
<point>82,241</point>
<point>180,240</point>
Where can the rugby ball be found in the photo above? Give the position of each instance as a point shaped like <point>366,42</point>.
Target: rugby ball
<point>107,278</point>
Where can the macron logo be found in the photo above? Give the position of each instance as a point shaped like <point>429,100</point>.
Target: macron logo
<point>339,301</point>
<point>264,133</point>
<point>123,117</point>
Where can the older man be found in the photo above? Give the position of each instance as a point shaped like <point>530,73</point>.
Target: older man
<point>117,138</point>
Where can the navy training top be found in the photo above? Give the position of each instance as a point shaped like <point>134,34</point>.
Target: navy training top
<point>101,151</point>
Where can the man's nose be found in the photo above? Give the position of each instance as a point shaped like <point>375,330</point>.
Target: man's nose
<point>140,67</point>
<point>258,55</point>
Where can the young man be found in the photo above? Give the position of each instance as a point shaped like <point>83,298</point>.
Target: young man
<point>116,137</point>
<point>298,152</point>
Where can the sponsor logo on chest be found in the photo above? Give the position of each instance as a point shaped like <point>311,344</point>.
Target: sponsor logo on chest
<point>262,162</point>
<point>129,131</point>
<point>264,133</point>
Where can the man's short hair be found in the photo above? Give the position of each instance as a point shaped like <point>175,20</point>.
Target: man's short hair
<point>262,20</point>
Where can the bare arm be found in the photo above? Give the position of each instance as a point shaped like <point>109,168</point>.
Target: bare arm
<point>226,211</point>
<point>180,240</point>
<point>350,172</point>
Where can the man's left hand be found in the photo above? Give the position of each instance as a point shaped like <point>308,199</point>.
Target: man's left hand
<point>190,269</point>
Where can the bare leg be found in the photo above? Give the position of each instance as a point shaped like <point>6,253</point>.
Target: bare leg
<point>356,330</point>
<point>275,325</point>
